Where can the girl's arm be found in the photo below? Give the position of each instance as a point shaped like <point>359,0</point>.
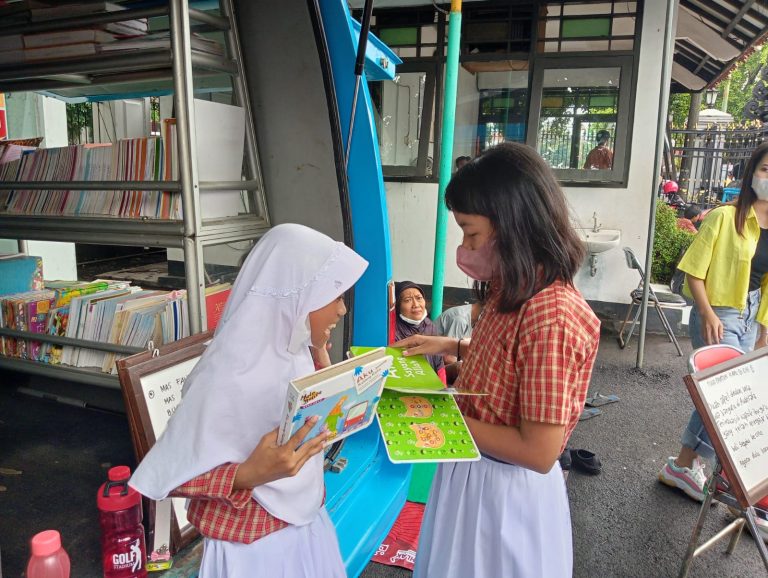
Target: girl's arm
<point>216,484</point>
<point>270,462</point>
<point>762,337</point>
<point>711,326</point>
<point>433,345</point>
<point>533,445</point>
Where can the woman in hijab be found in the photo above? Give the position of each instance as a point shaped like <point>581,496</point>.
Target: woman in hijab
<point>412,319</point>
<point>258,505</point>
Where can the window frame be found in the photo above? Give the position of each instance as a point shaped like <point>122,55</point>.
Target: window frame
<point>618,175</point>
<point>396,172</point>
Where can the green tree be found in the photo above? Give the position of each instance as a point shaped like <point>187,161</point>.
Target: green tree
<point>679,104</point>
<point>742,77</point>
<point>79,117</point>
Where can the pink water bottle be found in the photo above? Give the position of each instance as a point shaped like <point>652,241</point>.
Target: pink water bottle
<point>49,560</point>
<point>123,549</point>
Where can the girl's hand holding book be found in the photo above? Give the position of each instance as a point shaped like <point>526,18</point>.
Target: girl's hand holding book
<point>428,345</point>
<point>270,462</point>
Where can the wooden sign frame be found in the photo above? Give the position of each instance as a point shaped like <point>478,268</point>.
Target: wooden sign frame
<point>746,496</point>
<point>131,370</point>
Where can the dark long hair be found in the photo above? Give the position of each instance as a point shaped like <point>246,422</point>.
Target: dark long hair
<point>512,186</point>
<point>747,196</point>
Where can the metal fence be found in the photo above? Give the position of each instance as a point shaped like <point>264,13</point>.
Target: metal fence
<point>706,163</point>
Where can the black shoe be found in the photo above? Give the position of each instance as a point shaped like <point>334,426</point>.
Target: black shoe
<point>585,461</point>
<point>565,460</point>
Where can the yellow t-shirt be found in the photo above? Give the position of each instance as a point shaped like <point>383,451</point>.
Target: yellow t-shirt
<point>723,259</point>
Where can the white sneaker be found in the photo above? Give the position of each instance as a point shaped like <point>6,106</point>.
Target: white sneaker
<point>691,480</point>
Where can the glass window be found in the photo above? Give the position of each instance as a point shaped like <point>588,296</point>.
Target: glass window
<point>581,115</point>
<point>403,110</point>
<point>588,26</point>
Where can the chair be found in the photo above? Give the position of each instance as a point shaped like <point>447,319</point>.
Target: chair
<point>718,487</point>
<point>660,297</point>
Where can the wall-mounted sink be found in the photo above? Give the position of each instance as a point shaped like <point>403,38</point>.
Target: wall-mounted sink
<point>599,241</point>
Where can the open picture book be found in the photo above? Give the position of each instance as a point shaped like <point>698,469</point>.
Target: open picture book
<point>343,395</point>
<point>418,416</point>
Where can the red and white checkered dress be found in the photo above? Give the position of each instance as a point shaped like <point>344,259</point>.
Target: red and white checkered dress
<point>535,363</point>
<point>488,518</point>
<point>219,512</point>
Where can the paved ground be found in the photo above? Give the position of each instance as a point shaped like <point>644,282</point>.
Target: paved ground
<point>625,523</point>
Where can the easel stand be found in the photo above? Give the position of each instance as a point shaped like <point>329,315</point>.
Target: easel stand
<point>734,529</point>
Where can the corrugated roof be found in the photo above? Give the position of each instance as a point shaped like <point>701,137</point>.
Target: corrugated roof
<point>741,23</point>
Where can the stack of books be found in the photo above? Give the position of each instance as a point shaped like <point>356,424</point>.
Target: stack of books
<point>138,159</point>
<point>16,48</point>
<point>104,311</point>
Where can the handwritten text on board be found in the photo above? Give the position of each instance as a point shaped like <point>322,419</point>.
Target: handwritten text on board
<point>738,401</point>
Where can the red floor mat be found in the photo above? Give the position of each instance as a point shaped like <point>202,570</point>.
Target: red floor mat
<point>399,547</point>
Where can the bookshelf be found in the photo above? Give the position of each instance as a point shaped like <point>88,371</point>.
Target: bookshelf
<point>179,68</point>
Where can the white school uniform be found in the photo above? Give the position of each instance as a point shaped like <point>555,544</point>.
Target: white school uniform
<point>488,519</point>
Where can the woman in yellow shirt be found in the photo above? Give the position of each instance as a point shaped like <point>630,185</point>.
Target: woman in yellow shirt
<point>726,270</point>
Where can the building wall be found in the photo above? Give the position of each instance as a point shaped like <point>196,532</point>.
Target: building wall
<point>412,206</point>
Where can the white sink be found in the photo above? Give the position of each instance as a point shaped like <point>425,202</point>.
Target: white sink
<point>599,241</point>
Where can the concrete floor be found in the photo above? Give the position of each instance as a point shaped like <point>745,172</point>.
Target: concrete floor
<point>624,522</point>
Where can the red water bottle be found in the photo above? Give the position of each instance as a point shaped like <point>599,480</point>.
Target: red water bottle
<point>49,560</point>
<point>123,550</point>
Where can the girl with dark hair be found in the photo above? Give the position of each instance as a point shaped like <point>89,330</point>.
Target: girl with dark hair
<point>726,270</point>
<point>412,318</point>
<point>532,353</point>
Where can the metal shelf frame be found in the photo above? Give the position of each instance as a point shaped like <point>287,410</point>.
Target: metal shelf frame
<point>193,233</point>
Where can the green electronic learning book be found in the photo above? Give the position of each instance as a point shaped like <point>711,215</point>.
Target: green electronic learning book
<point>418,415</point>
<point>411,374</point>
<point>424,428</point>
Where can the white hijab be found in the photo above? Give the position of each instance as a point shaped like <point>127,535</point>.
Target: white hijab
<point>235,393</point>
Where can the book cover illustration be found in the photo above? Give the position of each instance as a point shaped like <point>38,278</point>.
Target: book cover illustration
<point>411,374</point>
<point>344,396</point>
<point>424,428</point>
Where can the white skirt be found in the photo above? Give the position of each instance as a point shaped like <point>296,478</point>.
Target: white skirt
<point>310,551</point>
<point>488,519</point>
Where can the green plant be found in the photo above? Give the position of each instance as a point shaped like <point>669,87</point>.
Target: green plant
<point>669,243</point>
<point>79,117</point>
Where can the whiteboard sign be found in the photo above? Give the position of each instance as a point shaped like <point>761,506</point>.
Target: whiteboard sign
<point>732,399</point>
<point>162,394</point>
<point>151,383</point>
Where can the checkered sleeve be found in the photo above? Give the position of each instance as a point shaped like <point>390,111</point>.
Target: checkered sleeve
<point>215,484</point>
<point>547,369</point>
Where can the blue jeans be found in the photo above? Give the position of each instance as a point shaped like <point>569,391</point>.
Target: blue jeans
<point>739,330</point>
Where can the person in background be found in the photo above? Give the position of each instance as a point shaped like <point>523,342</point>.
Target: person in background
<point>691,219</point>
<point>532,352</point>
<point>461,161</point>
<point>412,318</point>
<point>726,270</point>
<point>258,505</point>
<point>600,157</point>
<point>457,322</point>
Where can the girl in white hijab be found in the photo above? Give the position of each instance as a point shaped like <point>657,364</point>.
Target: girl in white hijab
<point>258,505</point>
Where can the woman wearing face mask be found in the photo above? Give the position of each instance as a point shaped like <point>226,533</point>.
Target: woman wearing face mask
<point>412,318</point>
<point>532,353</point>
<point>726,270</point>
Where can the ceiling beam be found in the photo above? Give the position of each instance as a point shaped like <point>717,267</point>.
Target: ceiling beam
<point>736,19</point>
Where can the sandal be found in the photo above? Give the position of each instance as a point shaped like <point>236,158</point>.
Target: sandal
<point>586,461</point>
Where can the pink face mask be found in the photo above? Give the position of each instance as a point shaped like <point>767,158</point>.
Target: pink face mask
<point>480,263</point>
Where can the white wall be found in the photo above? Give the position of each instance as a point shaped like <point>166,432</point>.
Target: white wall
<point>412,206</point>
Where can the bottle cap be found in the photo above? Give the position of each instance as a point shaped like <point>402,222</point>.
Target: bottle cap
<point>116,494</point>
<point>46,543</point>
<point>119,473</point>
